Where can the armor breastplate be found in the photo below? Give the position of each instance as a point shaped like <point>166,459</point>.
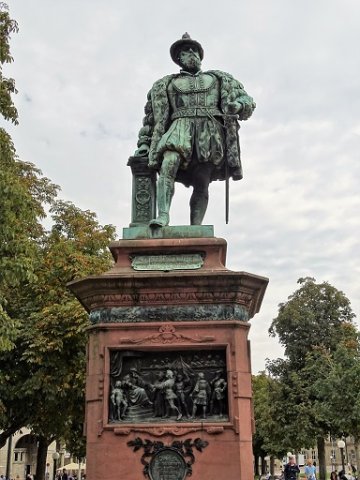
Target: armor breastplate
<point>197,95</point>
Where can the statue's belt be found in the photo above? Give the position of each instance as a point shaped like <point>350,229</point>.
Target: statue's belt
<point>196,112</point>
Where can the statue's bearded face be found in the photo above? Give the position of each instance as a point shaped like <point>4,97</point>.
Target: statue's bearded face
<point>189,59</point>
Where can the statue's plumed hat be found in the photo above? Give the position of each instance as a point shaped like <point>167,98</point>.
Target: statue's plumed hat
<point>179,44</point>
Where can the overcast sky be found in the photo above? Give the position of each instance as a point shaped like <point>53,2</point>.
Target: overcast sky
<point>83,69</point>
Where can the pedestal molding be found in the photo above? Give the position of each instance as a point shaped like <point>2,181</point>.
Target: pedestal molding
<point>167,334</point>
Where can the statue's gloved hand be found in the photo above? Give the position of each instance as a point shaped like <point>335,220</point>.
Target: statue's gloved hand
<point>153,164</point>
<point>142,151</point>
<point>247,110</point>
<point>232,108</point>
<point>153,161</point>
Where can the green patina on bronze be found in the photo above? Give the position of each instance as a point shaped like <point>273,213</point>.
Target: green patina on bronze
<point>190,130</point>
<point>170,313</point>
<point>180,231</point>
<point>144,191</point>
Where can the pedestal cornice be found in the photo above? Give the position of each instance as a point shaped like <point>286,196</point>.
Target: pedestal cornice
<point>208,286</point>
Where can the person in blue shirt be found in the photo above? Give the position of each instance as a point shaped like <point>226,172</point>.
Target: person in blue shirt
<point>310,470</point>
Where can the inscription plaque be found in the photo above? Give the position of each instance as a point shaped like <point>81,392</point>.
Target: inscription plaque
<point>192,261</point>
<point>167,464</point>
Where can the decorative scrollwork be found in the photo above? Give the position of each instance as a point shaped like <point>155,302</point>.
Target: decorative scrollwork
<point>168,334</point>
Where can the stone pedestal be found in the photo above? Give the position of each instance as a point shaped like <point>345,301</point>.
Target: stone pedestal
<point>169,321</point>
<point>143,207</point>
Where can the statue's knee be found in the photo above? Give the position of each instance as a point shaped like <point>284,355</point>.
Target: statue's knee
<point>202,181</point>
<point>201,191</point>
<point>170,164</point>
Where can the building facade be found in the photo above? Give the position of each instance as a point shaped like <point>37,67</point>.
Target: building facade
<point>18,457</point>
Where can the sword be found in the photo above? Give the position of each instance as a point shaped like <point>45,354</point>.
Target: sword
<point>227,186</point>
<point>227,118</point>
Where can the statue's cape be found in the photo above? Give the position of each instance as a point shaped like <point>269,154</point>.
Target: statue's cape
<point>157,120</point>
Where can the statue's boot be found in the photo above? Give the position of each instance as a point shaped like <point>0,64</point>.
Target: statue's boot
<point>198,206</point>
<point>165,192</point>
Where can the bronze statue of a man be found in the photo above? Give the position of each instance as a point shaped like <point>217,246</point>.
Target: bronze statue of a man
<point>190,129</point>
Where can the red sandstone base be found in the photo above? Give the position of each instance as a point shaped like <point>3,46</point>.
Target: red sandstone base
<point>228,453</point>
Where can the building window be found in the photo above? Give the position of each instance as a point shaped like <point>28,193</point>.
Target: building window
<point>18,456</point>
<point>313,454</point>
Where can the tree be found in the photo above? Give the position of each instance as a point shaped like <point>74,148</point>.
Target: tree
<point>44,377</point>
<point>311,317</point>
<point>316,317</point>
<point>267,439</point>
<point>23,193</point>
<point>7,85</point>
<point>337,380</point>
<point>42,326</point>
<point>259,388</point>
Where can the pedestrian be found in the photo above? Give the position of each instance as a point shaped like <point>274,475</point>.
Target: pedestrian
<point>351,472</point>
<point>334,475</point>
<point>310,470</point>
<point>351,475</point>
<point>291,469</point>
<point>342,475</point>
<point>64,475</point>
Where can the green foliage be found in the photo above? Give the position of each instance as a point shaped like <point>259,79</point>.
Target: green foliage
<point>291,408</point>
<point>8,333</point>
<point>267,439</point>
<point>78,234</point>
<point>7,85</point>
<point>321,345</point>
<point>23,194</point>
<point>47,368</point>
<point>311,318</point>
<point>336,386</point>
